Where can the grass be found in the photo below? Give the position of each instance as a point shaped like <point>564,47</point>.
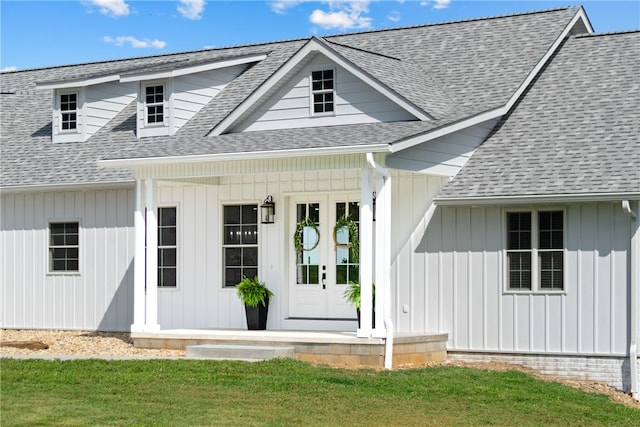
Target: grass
<point>286,393</point>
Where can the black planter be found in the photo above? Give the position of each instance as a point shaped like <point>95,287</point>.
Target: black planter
<point>373,317</point>
<point>257,316</point>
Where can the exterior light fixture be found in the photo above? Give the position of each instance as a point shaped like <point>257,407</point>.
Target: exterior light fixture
<point>268,211</point>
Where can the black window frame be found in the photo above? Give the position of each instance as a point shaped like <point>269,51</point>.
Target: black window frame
<point>535,242</point>
<point>68,108</point>
<point>64,246</point>
<point>167,247</point>
<point>240,239</point>
<point>323,89</point>
<point>155,113</point>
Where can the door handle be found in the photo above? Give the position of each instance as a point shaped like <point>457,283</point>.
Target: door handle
<point>324,277</point>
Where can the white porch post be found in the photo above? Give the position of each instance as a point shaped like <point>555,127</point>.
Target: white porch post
<point>382,252</point>
<point>139,262</point>
<point>152,257</point>
<point>366,254</point>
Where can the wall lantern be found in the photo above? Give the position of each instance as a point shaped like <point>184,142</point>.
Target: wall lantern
<point>268,210</point>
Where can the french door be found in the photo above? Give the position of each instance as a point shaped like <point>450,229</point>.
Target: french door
<point>322,261</point>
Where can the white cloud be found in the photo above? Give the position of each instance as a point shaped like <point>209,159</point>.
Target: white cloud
<point>343,15</point>
<point>135,43</point>
<point>7,69</point>
<point>111,7</point>
<point>441,4</point>
<point>394,16</point>
<point>191,9</point>
<point>280,6</point>
<point>437,4</point>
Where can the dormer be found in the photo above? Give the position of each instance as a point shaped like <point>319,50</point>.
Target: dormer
<point>68,115</point>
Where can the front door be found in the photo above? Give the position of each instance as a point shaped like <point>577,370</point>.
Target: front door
<point>322,262</point>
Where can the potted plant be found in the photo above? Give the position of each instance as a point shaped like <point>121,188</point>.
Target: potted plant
<point>352,295</point>
<point>255,296</point>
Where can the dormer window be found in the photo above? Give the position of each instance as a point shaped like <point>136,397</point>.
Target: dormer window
<point>154,104</point>
<point>68,111</point>
<point>322,91</point>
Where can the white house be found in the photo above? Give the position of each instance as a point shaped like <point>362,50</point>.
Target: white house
<point>491,166</point>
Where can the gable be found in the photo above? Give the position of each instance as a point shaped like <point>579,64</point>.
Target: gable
<point>291,106</point>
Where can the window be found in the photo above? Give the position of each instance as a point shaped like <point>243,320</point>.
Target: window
<point>167,247</point>
<point>68,111</point>
<point>347,256</point>
<point>64,246</point>
<point>322,91</point>
<point>535,251</point>
<point>154,104</point>
<point>240,243</point>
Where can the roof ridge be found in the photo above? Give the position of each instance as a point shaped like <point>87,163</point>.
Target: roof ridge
<point>108,61</point>
<point>606,33</point>
<point>362,50</point>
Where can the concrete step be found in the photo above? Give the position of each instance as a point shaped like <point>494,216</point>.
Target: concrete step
<point>238,352</point>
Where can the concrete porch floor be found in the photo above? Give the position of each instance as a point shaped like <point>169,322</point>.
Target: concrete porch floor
<point>325,347</point>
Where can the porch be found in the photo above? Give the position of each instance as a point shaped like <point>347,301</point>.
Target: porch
<point>324,347</point>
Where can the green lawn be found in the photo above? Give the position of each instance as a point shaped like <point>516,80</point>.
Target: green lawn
<point>286,392</point>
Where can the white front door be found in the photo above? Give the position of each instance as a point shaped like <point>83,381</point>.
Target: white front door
<point>321,264</point>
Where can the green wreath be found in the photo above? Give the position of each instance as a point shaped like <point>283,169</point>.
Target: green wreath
<point>297,235</point>
<point>354,239</point>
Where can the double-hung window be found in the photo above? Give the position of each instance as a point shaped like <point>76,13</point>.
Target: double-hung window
<point>322,91</point>
<point>535,250</point>
<point>167,247</point>
<point>68,111</point>
<point>154,104</point>
<point>64,247</point>
<point>240,243</point>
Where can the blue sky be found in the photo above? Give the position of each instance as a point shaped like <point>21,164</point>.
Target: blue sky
<point>37,34</point>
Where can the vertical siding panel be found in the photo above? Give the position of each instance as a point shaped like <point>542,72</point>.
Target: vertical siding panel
<point>571,300</point>
<point>554,330</point>
<point>101,260</point>
<point>587,281</point>
<point>28,260</point>
<point>40,260</point>
<point>619,275</point>
<point>603,330</point>
<point>199,301</point>
<point>477,279</point>
<point>89,262</point>
<point>433,236</point>
<point>448,275</point>
<point>539,322</point>
<point>462,278</point>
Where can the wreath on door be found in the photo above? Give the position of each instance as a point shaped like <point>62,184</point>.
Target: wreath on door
<point>297,235</point>
<point>354,240</point>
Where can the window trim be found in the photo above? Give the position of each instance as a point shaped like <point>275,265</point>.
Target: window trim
<point>535,249</point>
<point>76,111</point>
<point>49,246</point>
<point>312,92</point>
<point>223,245</point>
<point>68,135</point>
<point>177,246</point>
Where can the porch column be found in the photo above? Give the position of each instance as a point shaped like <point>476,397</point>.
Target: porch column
<point>366,254</point>
<point>139,263</point>
<point>382,255</point>
<point>152,257</point>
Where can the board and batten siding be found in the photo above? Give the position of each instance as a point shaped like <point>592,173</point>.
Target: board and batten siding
<point>100,296</point>
<point>456,277</point>
<point>200,300</point>
<point>355,102</point>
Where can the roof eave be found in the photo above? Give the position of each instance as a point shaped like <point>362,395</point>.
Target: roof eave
<point>252,155</point>
<point>536,199</point>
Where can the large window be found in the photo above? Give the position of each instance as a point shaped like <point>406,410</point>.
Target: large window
<point>167,247</point>
<point>240,243</point>
<point>154,104</point>
<point>535,251</point>
<point>68,111</point>
<point>322,91</point>
<point>64,246</point>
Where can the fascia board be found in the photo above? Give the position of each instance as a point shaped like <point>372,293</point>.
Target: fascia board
<point>500,111</point>
<point>77,82</point>
<point>446,130</point>
<point>135,77</point>
<point>535,199</point>
<point>252,155</point>
<point>67,187</point>
<point>313,46</point>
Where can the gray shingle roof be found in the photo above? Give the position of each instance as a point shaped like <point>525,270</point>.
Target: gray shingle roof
<point>576,130</point>
<point>470,67</point>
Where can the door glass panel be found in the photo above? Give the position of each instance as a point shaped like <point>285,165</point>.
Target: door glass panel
<point>308,257</point>
<point>347,254</point>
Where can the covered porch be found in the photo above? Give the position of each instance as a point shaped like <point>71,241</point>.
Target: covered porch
<point>323,347</point>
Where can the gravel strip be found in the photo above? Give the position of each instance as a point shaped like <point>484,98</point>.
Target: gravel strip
<point>80,343</point>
